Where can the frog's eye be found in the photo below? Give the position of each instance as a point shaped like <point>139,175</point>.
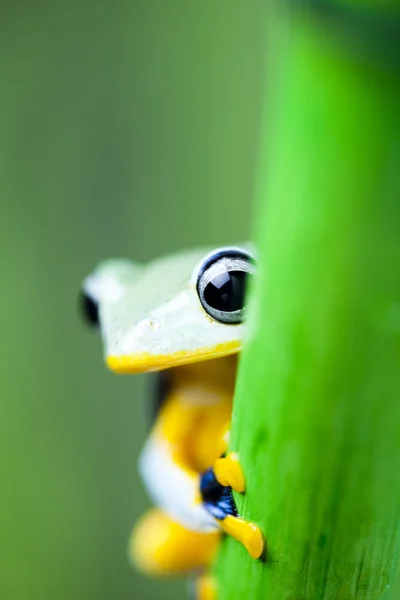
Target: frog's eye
<point>89,309</point>
<point>221,285</point>
<point>88,301</point>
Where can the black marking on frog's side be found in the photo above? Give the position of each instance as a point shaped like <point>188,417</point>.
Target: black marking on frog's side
<point>218,499</point>
<point>161,389</point>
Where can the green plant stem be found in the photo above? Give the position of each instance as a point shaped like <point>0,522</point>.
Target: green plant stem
<point>316,418</point>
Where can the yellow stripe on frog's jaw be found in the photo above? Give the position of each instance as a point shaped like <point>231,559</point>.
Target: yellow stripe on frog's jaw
<point>145,361</point>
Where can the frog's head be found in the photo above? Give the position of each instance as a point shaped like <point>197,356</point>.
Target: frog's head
<point>180,309</point>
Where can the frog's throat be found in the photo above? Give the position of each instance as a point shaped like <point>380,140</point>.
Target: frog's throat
<point>145,361</point>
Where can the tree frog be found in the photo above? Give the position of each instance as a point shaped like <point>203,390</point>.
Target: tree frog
<point>182,315</point>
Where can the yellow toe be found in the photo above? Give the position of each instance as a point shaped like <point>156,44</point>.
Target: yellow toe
<point>246,533</point>
<point>229,472</point>
<point>253,540</point>
<point>206,588</point>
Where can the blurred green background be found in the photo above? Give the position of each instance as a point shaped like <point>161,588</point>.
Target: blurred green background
<point>126,129</point>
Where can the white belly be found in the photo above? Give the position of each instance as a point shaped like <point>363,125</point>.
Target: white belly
<point>173,489</point>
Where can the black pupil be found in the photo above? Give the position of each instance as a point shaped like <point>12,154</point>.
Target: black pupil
<point>226,292</point>
<point>90,310</point>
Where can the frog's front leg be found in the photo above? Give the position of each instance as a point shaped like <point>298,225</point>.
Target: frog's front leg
<point>216,486</point>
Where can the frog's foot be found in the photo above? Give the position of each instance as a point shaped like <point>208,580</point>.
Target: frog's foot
<point>247,533</point>
<point>205,588</point>
<point>219,502</point>
<point>160,546</point>
<point>228,472</point>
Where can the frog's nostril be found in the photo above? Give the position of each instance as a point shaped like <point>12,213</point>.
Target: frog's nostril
<point>153,324</point>
<point>147,326</point>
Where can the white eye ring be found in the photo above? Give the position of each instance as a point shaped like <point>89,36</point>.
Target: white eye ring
<point>221,285</point>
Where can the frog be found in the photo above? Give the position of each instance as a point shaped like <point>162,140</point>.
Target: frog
<point>182,316</point>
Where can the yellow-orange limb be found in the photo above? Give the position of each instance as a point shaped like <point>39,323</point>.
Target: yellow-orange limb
<point>206,588</point>
<point>246,533</point>
<point>228,472</point>
<point>196,416</point>
<point>159,546</point>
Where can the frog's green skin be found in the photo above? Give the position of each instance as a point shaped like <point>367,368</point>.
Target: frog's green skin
<point>151,318</point>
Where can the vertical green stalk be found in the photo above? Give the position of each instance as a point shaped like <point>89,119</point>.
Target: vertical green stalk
<point>316,417</point>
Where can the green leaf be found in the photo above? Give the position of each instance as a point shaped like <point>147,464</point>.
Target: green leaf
<point>316,418</point>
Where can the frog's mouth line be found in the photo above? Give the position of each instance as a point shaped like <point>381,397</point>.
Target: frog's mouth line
<point>146,362</point>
